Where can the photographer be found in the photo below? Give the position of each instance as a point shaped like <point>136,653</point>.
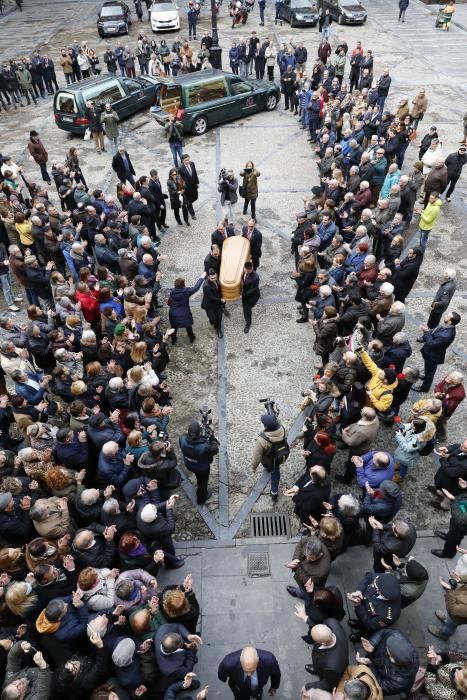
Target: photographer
<point>228,186</point>
<point>198,452</point>
<point>271,450</point>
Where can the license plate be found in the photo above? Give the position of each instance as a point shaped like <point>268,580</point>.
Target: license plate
<point>67,119</point>
<point>111,29</point>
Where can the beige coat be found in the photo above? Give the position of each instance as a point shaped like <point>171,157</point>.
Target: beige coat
<point>360,437</point>
<point>58,523</point>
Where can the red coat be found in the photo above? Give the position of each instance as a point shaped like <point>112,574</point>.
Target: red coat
<point>367,275</point>
<point>451,396</point>
<point>363,198</point>
<point>89,305</point>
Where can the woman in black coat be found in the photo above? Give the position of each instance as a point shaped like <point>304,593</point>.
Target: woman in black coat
<point>178,200</point>
<point>180,315</point>
<point>406,273</point>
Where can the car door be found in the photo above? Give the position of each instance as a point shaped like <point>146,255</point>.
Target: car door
<point>149,88</point>
<point>286,10</point>
<point>136,98</point>
<point>210,98</point>
<point>245,99</point>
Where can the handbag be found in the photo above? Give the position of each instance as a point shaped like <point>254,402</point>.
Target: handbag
<point>242,191</point>
<point>413,135</point>
<point>87,135</point>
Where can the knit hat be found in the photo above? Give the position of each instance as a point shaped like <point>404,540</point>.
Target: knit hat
<point>388,585</point>
<point>119,329</point>
<point>123,653</point>
<point>30,259</point>
<point>149,513</point>
<point>5,499</point>
<point>390,375</point>
<point>96,420</point>
<point>418,165</point>
<point>269,422</point>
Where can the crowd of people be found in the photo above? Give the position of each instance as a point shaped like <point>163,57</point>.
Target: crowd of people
<point>88,470</point>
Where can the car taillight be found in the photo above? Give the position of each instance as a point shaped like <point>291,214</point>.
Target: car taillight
<point>57,118</point>
<point>80,121</point>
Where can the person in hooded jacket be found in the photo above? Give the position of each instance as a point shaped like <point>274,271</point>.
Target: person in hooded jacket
<point>377,601</point>
<point>411,438</point>
<point>383,503</point>
<point>393,660</point>
<point>180,315</point>
<point>264,451</point>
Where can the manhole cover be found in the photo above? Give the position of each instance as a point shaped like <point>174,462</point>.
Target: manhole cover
<point>258,564</point>
<point>269,525</point>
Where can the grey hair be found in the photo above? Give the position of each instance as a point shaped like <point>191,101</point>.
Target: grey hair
<point>348,505</point>
<point>110,506</point>
<point>400,337</point>
<point>449,272</point>
<point>88,336</point>
<point>398,306</point>
<point>88,497</point>
<point>38,511</point>
<point>313,546</point>
<point>123,588</point>
<point>356,690</point>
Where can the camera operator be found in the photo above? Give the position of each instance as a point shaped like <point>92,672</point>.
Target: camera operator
<point>198,452</point>
<point>271,450</point>
<point>228,186</point>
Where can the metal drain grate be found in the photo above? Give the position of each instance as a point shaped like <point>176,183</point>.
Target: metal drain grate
<point>269,525</point>
<point>258,564</point>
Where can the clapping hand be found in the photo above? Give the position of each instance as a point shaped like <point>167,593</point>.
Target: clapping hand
<point>300,611</point>
<point>369,648</point>
<point>187,680</point>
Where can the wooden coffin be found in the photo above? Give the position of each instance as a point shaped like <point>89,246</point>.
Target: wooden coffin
<point>235,253</point>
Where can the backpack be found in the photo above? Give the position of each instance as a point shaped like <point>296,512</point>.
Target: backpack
<point>279,451</point>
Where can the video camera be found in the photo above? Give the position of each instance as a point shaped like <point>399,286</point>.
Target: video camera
<point>207,431</point>
<point>271,407</point>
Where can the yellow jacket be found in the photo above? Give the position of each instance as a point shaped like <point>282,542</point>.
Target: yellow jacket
<point>421,410</point>
<point>380,392</point>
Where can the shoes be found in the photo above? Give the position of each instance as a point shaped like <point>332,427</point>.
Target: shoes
<point>419,389</point>
<point>178,564</point>
<point>18,298</point>
<point>441,534</point>
<point>437,632</point>
<point>274,496</point>
<point>448,199</point>
<point>309,667</point>
<point>220,334</point>
<point>354,623</point>
<point>303,319</point>
<point>14,308</point>
<point>439,553</point>
<point>192,340</point>
<point>246,329</point>
<point>441,615</point>
<point>193,217</point>
<point>307,639</point>
<point>294,591</point>
<point>187,223</point>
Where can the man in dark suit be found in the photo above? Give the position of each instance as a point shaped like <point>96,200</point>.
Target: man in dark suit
<point>123,166</point>
<point>155,188</point>
<point>329,655</point>
<point>250,293</point>
<point>247,672</point>
<point>175,651</point>
<point>256,241</point>
<point>221,233</point>
<point>188,172</point>
<point>435,344</point>
<point>212,302</point>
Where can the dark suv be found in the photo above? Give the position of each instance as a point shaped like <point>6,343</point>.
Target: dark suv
<point>114,18</point>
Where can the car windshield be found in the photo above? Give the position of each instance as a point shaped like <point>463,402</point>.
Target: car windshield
<point>301,4</point>
<point>113,12</point>
<point>156,5</point>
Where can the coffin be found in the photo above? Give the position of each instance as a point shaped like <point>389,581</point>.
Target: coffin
<point>235,253</point>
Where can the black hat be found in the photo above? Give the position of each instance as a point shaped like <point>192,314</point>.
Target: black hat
<point>33,133</point>
<point>390,375</point>
<point>194,429</point>
<point>269,422</point>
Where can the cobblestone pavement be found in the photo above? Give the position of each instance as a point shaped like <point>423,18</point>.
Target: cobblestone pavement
<point>276,358</point>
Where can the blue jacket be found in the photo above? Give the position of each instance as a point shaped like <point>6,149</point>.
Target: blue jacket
<point>397,355</point>
<point>382,507</point>
<point>34,397</point>
<point>73,455</point>
<point>98,437</point>
<point>234,56</point>
<point>354,262</point>
<point>326,234</point>
<point>73,624</point>
<point>197,453</point>
<point>286,61</point>
<point>367,472</point>
<point>112,470</point>
<point>179,302</point>
<point>436,342</point>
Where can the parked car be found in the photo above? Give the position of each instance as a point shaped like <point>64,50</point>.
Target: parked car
<point>164,16</point>
<point>344,11</point>
<point>206,98</point>
<point>126,95</point>
<point>114,18</point>
<point>300,12</point>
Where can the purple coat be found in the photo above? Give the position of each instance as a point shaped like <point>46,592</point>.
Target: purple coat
<point>375,477</point>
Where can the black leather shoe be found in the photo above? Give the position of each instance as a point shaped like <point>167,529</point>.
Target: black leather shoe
<point>310,669</point>
<point>355,637</point>
<point>440,554</point>
<point>307,639</point>
<point>302,319</point>
<point>440,533</point>
<point>178,564</point>
<point>246,329</point>
<point>354,623</point>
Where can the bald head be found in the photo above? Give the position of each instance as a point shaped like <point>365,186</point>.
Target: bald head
<point>249,659</point>
<point>322,634</point>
